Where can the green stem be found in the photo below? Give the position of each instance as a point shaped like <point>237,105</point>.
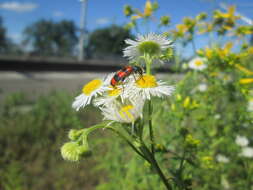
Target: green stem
<point>145,150</point>
<point>148,68</point>
<point>94,127</point>
<point>148,60</point>
<point>179,173</point>
<point>151,132</point>
<point>87,131</point>
<point>155,165</point>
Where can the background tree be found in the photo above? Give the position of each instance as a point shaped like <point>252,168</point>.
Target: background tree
<point>3,38</point>
<point>108,41</point>
<point>49,38</point>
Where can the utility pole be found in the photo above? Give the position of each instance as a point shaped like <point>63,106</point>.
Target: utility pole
<point>82,29</point>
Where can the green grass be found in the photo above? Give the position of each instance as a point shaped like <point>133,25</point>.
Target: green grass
<point>30,140</point>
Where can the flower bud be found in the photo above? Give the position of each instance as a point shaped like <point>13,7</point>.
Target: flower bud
<point>70,151</point>
<point>128,10</point>
<point>164,20</point>
<point>191,142</point>
<point>74,134</point>
<point>155,6</point>
<point>201,16</point>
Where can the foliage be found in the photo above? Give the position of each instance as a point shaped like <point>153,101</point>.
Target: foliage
<point>49,38</point>
<point>7,46</point>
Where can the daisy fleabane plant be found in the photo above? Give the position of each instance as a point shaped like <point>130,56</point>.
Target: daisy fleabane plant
<point>125,100</point>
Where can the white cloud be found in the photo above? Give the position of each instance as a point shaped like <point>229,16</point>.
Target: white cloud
<point>18,7</point>
<point>58,14</point>
<point>103,21</point>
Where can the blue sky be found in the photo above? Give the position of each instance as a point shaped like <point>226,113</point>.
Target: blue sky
<point>17,14</point>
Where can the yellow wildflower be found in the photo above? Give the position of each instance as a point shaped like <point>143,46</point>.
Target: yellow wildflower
<point>246,81</point>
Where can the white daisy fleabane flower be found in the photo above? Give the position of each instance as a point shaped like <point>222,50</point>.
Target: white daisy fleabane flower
<point>241,141</point>
<point>126,112</point>
<point>109,96</point>
<point>152,44</point>
<point>90,90</point>
<point>221,158</point>
<point>198,64</point>
<point>247,152</point>
<point>147,86</point>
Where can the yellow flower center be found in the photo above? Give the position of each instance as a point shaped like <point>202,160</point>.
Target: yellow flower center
<point>114,92</point>
<point>125,113</point>
<point>198,63</point>
<point>91,86</point>
<point>146,81</point>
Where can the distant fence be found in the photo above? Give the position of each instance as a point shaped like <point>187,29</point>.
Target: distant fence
<point>57,66</point>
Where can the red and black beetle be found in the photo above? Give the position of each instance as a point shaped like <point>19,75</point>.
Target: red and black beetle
<point>123,73</point>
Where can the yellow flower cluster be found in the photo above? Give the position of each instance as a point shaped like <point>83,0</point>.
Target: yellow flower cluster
<point>225,20</point>
<point>148,11</point>
<point>136,14</point>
